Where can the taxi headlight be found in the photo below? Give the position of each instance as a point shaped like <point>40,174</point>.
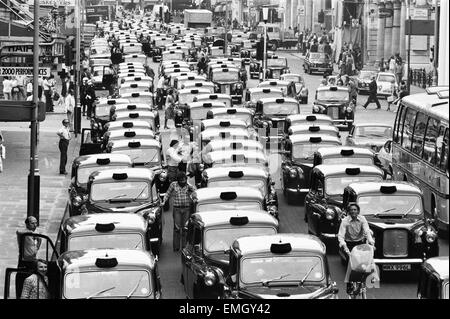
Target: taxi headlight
<point>431,236</point>
<point>77,200</point>
<point>330,213</point>
<point>292,173</point>
<point>148,214</point>
<point>348,109</point>
<point>210,278</point>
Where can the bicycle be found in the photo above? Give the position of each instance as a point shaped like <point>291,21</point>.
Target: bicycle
<point>357,279</point>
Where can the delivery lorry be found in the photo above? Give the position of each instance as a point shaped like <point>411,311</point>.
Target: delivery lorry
<point>197,18</point>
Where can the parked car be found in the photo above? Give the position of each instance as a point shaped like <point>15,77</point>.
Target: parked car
<point>387,84</point>
<point>82,167</point>
<point>404,238</point>
<point>307,119</point>
<point>317,62</point>
<point>324,202</point>
<point>433,279</point>
<point>345,155</point>
<point>369,135</point>
<point>281,266</point>
<point>335,102</point>
<point>363,80</point>
<point>298,161</point>
<point>276,66</point>
<point>209,237</point>
<point>300,86</point>
<point>253,95</point>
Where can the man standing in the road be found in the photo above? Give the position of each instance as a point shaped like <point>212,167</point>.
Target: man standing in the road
<point>373,88</point>
<point>174,157</point>
<point>183,194</point>
<point>64,139</point>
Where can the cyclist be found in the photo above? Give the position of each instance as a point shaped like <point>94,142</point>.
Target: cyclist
<point>354,231</point>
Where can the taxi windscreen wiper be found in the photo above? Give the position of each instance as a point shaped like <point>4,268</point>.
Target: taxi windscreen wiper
<point>100,292</point>
<point>267,282</point>
<point>135,287</point>
<point>302,282</point>
<point>140,193</point>
<point>118,198</point>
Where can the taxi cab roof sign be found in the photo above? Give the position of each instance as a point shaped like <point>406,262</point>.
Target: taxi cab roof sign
<point>388,189</point>
<point>236,174</point>
<point>239,221</point>
<point>103,161</point>
<point>280,101</point>
<point>280,248</point>
<point>213,97</point>
<point>129,134</point>
<point>120,176</point>
<point>104,228</point>
<point>111,102</point>
<point>194,91</point>
<point>127,124</point>
<point>134,85</point>
<point>131,106</point>
<point>134,144</point>
<point>314,128</point>
<point>225,124</point>
<point>228,195</point>
<point>266,90</point>
<point>106,262</point>
<point>133,115</point>
<point>347,152</point>
<point>315,140</point>
<point>311,118</point>
<point>199,84</point>
<point>353,171</point>
<point>135,94</point>
<point>231,111</point>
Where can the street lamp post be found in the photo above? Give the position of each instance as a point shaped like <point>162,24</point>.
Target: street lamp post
<point>225,49</point>
<point>409,46</point>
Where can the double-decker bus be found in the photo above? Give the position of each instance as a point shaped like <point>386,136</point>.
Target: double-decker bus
<point>420,149</point>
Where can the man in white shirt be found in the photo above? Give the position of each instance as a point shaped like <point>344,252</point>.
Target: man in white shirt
<point>69,103</point>
<point>7,88</point>
<point>64,138</point>
<point>174,156</point>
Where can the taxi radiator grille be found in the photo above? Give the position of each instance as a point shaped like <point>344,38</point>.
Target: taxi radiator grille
<point>395,243</point>
<point>333,112</point>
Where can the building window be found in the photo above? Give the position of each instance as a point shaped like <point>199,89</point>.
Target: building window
<point>328,5</point>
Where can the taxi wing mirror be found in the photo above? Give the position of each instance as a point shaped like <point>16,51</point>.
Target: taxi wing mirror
<point>197,249</point>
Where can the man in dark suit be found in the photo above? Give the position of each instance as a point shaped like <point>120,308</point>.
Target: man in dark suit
<point>373,88</point>
<point>66,86</point>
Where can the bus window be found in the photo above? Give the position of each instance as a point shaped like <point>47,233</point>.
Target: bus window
<point>408,126</point>
<point>442,144</point>
<point>399,124</point>
<point>419,132</point>
<point>430,147</point>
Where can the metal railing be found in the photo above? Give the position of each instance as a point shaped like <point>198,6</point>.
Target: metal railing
<point>421,78</point>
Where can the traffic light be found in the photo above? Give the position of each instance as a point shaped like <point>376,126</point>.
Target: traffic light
<point>260,50</point>
<point>73,59</point>
<point>321,17</point>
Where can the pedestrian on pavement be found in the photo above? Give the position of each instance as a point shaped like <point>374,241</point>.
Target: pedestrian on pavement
<point>15,89</point>
<point>174,156</point>
<point>36,285</point>
<point>373,88</point>
<point>64,139</point>
<point>399,70</point>
<point>2,153</point>
<point>391,64</point>
<point>7,88</point>
<point>21,84</point>
<point>69,103</point>
<point>30,88</point>
<point>66,86</point>
<point>83,88</point>
<point>48,95</point>
<point>183,197</point>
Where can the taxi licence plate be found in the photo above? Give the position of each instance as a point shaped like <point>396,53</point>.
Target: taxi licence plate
<point>396,267</point>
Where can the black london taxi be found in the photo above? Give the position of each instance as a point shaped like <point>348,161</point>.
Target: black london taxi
<point>129,134</point>
<point>132,107</point>
<point>152,117</point>
<point>199,85</point>
<point>102,231</point>
<point>198,111</point>
<point>140,97</point>
<point>334,101</point>
<point>186,96</point>
<point>228,81</point>
<point>317,62</point>
<point>298,162</point>
<point>94,274</point>
<point>209,237</point>
<point>217,124</point>
<point>344,155</point>
<point>287,87</point>
<point>253,95</point>
<point>102,115</point>
<point>143,152</point>
<point>281,266</point>
<point>229,198</point>
<point>255,177</point>
<point>131,87</point>
<point>307,119</point>
<point>82,167</point>
<point>248,48</point>
<point>132,124</point>
<point>300,86</point>
<point>371,135</point>
<point>157,49</point>
<point>314,129</point>
<point>276,66</point>
<point>270,116</point>
<point>324,201</point>
<point>171,55</point>
<point>404,238</point>
<point>178,79</point>
<point>433,279</point>
<point>239,113</point>
<point>131,190</point>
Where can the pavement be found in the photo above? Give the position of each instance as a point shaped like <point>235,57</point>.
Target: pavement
<point>13,183</point>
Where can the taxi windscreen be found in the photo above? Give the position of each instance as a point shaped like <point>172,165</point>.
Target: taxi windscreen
<point>102,110</point>
<point>276,63</point>
<point>390,204</point>
<point>386,78</point>
<point>373,131</point>
<point>84,172</point>
<point>107,284</point>
<point>336,185</point>
<point>337,96</point>
<point>230,205</point>
<point>256,96</point>
<point>173,56</point>
<point>219,240</point>
<point>101,241</point>
<point>281,269</point>
<point>253,183</point>
<point>305,151</point>
<point>185,98</point>
<point>141,155</point>
<point>280,109</point>
<point>120,191</point>
<point>225,76</point>
<point>199,113</point>
<point>247,118</point>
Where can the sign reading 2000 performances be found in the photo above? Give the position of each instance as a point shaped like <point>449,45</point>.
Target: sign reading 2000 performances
<point>26,71</point>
